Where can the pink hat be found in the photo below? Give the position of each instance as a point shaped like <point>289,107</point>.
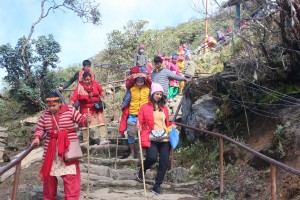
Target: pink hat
<point>142,47</point>
<point>156,87</point>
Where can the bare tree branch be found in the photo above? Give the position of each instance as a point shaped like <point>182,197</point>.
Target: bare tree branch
<point>85,9</point>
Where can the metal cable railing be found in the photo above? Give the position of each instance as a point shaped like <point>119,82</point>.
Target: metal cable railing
<point>273,163</point>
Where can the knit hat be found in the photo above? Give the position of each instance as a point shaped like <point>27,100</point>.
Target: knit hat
<point>142,47</point>
<point>156,87</point>
<point>139,79</point>
<point>134,70</point>
<point>174,56</point>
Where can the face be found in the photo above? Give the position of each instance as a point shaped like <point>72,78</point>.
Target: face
<point>174,60</point>
<point>139,84</point>
<point>157,95</point>
<point>158,65</point>
<point>87,80</point>
<point>87,68</point>
<point>53,106</point>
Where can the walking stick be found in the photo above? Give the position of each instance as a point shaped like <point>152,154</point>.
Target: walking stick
<point>116,152</point>
<point>106,129</point>
<point>142,160</point>
<point>117,145</point>
<point>88,155</point>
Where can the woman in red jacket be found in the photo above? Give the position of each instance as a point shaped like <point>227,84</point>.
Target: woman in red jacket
<point>152,116</point>
<point>88,92</point>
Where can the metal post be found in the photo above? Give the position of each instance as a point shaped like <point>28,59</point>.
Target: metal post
<point>206,24</point>
<point>237,16</point>
<point>273,182</point>
<point>114,100</point>
<point>16,181</point>
<point>221,145</point>
<point>206,18</point>
<point>172,159</point>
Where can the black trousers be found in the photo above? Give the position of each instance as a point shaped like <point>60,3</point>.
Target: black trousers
<point>161,150</point>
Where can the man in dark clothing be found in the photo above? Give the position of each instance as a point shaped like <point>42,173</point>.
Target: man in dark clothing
<point>141,60</point>
<point>86,66</point>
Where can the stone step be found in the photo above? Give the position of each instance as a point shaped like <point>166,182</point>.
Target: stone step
<point>113,193</point>
<point>104,150</point>
<point>112,161</point>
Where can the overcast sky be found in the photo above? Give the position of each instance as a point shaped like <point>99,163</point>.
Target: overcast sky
<point>79,40</point>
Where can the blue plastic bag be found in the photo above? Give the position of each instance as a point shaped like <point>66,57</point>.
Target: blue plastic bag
<point>174,138</point>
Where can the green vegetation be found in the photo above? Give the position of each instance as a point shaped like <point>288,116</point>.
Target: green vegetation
<point>201,158</point>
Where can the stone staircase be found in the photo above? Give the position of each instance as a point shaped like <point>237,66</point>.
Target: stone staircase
<point>113,177</point>
<point>173,105</point>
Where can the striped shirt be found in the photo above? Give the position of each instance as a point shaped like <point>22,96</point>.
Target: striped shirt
<point>69,116</point>
<point>162,77</point>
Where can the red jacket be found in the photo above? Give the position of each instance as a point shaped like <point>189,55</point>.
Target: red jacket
<point>84,99</point>
<point>123,122</point>
<point>146,121</point>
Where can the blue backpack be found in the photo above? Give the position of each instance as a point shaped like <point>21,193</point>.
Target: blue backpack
<point>174,138</point>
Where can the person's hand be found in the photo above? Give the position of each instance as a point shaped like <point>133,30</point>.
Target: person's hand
<point>142,75</point>
<point>173,125</point>
<point>134,76</point>
<point>138,127</point>
<point>35,142</point>
<point>60,88</point>
<point>103,94</point>
<point>72,103</point>
<point>120,106</point>
<point>89,118</point>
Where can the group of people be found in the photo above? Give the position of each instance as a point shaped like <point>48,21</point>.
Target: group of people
<point>144,107</point>
<point>212,42</point>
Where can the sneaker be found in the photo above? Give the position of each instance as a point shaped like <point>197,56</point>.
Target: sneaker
<point>131,156</point>
<point>139,175</point>
<point>156,189</point>
<point>103,142</point>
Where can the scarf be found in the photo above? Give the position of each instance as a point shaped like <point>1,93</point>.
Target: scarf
<point>62,146</point>
<point>88,88</point>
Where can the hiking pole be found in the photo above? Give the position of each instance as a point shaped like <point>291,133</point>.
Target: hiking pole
<point>142,160</point>
<point>106,130</point>
<point>116,152</point>
<point>88,155</point>
<point>117,145</point>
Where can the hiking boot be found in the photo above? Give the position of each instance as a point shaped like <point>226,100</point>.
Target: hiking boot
<point>139,175</point>
<point>156,189</point>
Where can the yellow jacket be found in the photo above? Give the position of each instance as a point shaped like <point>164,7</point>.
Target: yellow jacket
<point>138,98</point>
